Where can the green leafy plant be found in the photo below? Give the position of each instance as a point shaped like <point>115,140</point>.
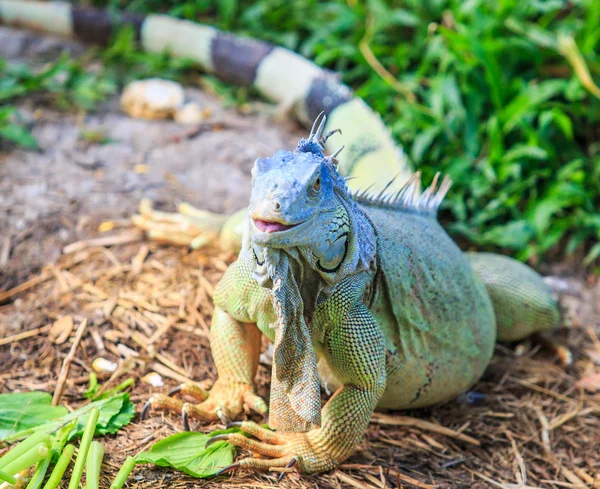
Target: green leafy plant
<point>186,452</point>
<point>13,130</point>
<point>47,430</point>
<point>61,466</point>
<point>75,84</point>
<point>96,392</point>
<point>32,412</point>
<point>123,473</point>
<point>84,447</point>
<point>22,411</point>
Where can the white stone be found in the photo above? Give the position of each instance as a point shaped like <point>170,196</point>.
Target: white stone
<point>104,366</point>
<point>154,379</point>
<point>190,113</point>
<point>153,98</point>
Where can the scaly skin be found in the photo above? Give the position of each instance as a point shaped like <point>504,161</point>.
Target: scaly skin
<point>372,287</point>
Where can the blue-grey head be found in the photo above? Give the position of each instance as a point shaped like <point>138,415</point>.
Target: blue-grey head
<point>296,194</point>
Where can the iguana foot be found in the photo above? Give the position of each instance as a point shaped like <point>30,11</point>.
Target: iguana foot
<point>309,451</point>
<point>225,401</point>
<point>188,227</point>
<point>551,344</point>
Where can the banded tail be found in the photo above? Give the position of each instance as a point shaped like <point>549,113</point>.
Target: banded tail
<point>279,74</point>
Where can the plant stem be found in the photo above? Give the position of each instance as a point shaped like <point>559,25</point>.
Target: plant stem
<point>24,447</point>
<point>123,474</point>
<point>93,465</point>
<point>60,439</point>
<point>103,394</point>
<point>4,477</point>
<point>29,458</point>
<point>84,446</point>
<point>60,467</point>
<point>39,474</point>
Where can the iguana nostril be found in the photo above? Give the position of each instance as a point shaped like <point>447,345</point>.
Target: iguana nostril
<point>277,205</point>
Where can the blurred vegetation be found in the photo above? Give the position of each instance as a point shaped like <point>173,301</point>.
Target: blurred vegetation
<point>500,95</point>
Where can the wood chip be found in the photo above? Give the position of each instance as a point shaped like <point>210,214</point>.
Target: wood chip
<point>61,330</point>
<point>64,371</point>
<point>167,372</point>
<point>41,278</point>
<point>4,252</point>
<point>347,479</point>
<point>385,419</point>
<point>590,383</point>
<point>25,334</point>
<point>120,239</point>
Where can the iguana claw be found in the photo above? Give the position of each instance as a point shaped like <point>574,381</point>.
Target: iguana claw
<point>292,462</point>
<point>277,450</point>
<point>227,468</point>
<point>221,403</point>
<point>289,465</point>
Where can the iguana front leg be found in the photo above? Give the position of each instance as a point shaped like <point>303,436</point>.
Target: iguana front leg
<point>355,350</point>
<point>236,348</point>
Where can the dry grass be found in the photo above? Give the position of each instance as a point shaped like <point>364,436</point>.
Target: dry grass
<point>148,309</point>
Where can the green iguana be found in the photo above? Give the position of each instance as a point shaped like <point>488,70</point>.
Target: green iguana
<point>367,286</point>
<point>362,290</point>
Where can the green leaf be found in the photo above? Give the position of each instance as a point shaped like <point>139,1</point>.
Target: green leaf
<point>534,33</point>
<point>187,452</point>
<point>18,134</point>
<point>528,100</point>
<point>514,235</point>
<point>521,151</point>
<point>403,17</point>
<point>592,255</point>
<point>94,387</point>
<point>23,411</point>
<point>227,10</point>
<point>563,122</point>
<point>122,418</point>
<point>423,141</point>
<point>115,412</point>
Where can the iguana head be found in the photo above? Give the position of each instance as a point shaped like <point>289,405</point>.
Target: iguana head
<point>296,195</point>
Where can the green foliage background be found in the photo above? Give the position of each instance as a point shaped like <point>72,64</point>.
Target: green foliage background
<point>484,92</point>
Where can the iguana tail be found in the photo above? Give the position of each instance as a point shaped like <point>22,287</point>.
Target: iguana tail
<point>524,304</point>
<point>281,75</point>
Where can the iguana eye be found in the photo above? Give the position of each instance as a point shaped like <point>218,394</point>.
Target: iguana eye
<point>316,186</point>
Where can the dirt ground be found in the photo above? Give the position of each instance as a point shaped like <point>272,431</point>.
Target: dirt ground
<point>148,306</point>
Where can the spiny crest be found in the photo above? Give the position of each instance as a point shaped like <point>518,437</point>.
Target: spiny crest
<point>315,143</point>
<point>408,197</point>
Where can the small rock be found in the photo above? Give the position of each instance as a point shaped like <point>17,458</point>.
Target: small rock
<point>154,379</point>
<point>153,98</point>
<point>190,113</point>
<point>104,366</point>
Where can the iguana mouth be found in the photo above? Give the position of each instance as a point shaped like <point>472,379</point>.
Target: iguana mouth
<point>272,226</point>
